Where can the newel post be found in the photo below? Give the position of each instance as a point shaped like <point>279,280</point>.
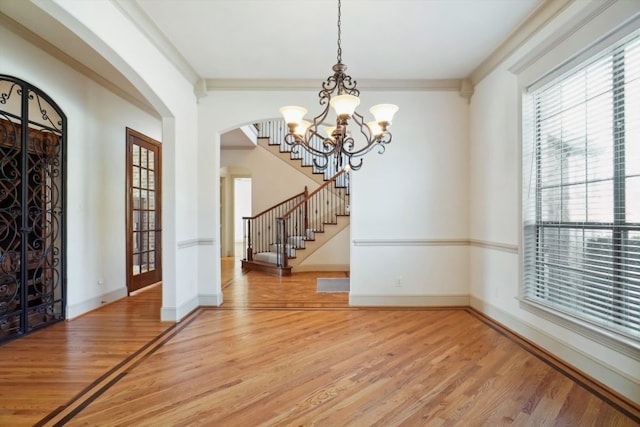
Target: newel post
<point>306,211</point>
<point>283,243</point>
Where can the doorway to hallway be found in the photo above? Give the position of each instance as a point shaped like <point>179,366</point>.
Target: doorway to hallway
<point>241,208</point>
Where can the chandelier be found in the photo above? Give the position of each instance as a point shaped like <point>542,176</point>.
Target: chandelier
<point>324,139</point>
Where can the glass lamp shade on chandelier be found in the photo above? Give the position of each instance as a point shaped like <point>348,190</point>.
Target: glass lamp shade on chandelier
<point>325,139</point>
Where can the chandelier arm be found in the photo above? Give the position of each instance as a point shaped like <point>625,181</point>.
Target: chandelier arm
<point>317,155</point>
<point>358,118</point>
<point>321,165</point>
<point>321,162</point>
<point>355,166</point>
<point>348,143</point>
<point>348,85</point>
<point>313,131</point>
<point>319,120</point>
<point>328,88</point>
<point>380,143</point>
<point>296,141</point>
<point>339,82</point>
<point>364,129</point>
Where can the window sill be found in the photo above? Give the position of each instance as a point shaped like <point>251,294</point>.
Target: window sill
<point>624,345</point>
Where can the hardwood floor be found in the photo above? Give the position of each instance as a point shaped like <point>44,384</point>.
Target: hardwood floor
<point>279,353</point>
<point>258,290</point>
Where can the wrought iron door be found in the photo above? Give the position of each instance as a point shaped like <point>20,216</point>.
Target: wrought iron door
<point>32,200</point>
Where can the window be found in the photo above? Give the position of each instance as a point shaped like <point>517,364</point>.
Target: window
<point>581,194</point>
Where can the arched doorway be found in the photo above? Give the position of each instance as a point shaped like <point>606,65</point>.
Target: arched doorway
<point>32,204</point>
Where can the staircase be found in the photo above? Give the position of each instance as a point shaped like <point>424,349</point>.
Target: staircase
<point>275,238</point>
<point>271,135</point>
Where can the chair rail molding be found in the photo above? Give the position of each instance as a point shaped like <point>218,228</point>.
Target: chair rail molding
<point>209,241</point>
<point>504,247</point>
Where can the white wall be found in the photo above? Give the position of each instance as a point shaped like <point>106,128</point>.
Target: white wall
<point>416,190</point>
<point>334,255</point>
<point>495,203</point>
<point>409,215</point>
<point>96,149</point>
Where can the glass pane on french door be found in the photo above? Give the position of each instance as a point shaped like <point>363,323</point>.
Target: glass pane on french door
<point>143,213</point>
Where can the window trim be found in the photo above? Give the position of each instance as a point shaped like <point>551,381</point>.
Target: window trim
<point>578,42</point>
<point>602,336</point>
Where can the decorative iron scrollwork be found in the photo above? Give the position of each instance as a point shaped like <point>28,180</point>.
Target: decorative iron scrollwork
<point>32,288</point>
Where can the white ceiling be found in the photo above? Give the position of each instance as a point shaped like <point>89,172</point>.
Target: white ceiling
<point>291,39</point>
<point>296,39</point>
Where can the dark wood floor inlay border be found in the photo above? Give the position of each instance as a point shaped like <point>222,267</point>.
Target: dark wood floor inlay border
<point>628,408</point>
<point>65,413</point>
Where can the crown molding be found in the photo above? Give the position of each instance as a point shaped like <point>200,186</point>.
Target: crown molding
<point>466,89</point>
<point>579,23</point>
<point>133,11</point>
<point>309,84</point>
<point>31,37</point>
<point>543,14</point>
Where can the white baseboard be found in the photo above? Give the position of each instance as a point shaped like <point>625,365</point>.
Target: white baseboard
<point>175,314</point>
<point>409,300</point>
<point>597,369</point>
<point>169,314</point>
<point>211,300</point>
<point>83,307</point>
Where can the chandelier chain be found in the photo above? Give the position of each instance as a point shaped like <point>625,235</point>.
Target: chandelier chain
<point>339,34</point>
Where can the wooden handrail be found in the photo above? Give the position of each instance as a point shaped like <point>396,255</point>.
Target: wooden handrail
<point>313,193</point>
<point>277,205</point>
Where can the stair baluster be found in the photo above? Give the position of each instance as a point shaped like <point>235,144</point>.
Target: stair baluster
<point>275,131</point>
<point>286,227</point>
<point>261,229</point>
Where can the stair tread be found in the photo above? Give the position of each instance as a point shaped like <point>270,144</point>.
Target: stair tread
<point>259,256</point>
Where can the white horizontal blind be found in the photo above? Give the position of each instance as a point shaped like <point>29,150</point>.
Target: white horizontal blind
<point>581,195</point>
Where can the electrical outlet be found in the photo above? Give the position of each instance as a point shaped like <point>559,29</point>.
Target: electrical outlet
<point>398,283</point>
<point>100,282</point>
